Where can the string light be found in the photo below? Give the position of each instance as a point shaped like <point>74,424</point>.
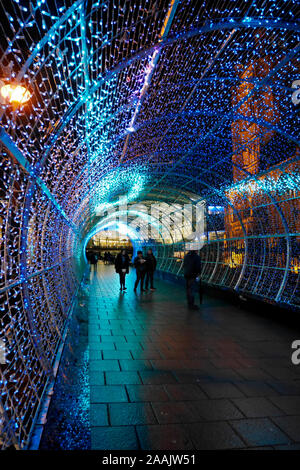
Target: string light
<point>17,94</point>
<point>152,101</point>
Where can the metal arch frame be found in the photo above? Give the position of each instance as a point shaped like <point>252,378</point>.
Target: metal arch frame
<point>97,229</point>
<point>168,41</point>
<point>44,40</point>
<point>236,287</point>
<point>243,228</point>
<point>24,277</point>
<point>239,116</point>
<point>226,116</point>
<point>143,54</point>
<point>23,162</point>
<point>115,214</point>
<point>192,179</point>
<point>243,146</point>
<point>285,225</point>
<point>240,24</point>
<point>258,85</point>
<point>127,107</point>
<point>286,229</point>
<point>281,215</point>
<point>219,192</point>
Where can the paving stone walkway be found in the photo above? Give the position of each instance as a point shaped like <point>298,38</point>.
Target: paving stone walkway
<point>162,377</point>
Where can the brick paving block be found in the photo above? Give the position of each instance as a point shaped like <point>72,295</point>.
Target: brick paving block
<point>225,363</point>
<point>135,364</point>
<point>131,414</point>
<point>146,354</point>
<point>288,404</point>
<point>256,389</point>
<point>114,354</point>
<point>164,437</point>
<point>108,394</point>
<point>127,346</point>
<point>168,364</point>
<point>199,354</point>
<point>106,346</point>
<point>285,388</point>
<point>157,377</point>
<point>104,365</point>
<point>192,376</point>
<point>112,339</point>
<point>114,438</point>
<point>216,410</point>
<point>96,378</point>
<point>221,390</point>
<point>95,354</point>
<point>290,425</point>
<point>179,392</point>
<point>147,393</point>
<point>257,407</point>
<point>98,414</point>
<point>211,436</point>
<point>222,375</point>
<point>105,332</point>
<point>170,412</point>
<point>259,432</point>
<point>283,373</point>
<point>122,378</point>
<point>253,373</point>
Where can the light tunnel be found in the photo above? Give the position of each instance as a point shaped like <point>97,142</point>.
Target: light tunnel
<point>146,102</point>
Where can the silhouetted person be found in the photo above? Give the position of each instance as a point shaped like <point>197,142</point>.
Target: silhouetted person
<point>140,266</point>
<point>122,267</point>
<point>150,269</point>
<point>94,260</point>
<point>192,270</point>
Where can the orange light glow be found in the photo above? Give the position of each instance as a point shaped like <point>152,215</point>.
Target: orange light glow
<point>16,94</point>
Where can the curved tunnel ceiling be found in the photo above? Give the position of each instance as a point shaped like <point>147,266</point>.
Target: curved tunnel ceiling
<point>145,91</point>
<point>159,100</point>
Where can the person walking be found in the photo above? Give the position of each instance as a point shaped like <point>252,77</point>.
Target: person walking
<point>122,267</point>
<point>150,269</point>
<point>140,266</point>
<point>94,260</point>
<point>192,271</point>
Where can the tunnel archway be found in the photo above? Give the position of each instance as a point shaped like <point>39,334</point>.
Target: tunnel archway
<point>168,102</point>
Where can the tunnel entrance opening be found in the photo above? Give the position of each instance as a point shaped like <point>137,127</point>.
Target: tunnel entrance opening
<point>107,244</point>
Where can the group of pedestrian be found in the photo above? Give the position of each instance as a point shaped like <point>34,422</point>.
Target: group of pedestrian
<point>108,258</point>
<point>145,267</point>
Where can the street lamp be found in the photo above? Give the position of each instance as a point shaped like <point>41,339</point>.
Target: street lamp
<point>15,93</point>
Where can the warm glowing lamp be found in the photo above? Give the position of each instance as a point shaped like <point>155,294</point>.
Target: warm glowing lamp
<point>15,93</point>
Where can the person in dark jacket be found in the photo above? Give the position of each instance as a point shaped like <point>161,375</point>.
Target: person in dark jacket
<point>192,271</point>
<point>122,267</point>
<point>140,265</point>
<point>94,260</point>
<point>150,269</point>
